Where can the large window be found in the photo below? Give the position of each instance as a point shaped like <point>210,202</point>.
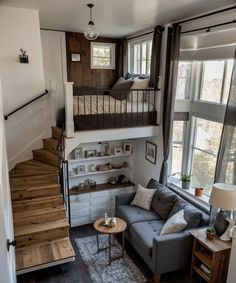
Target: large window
<point>205,149</point>
<point>216,80</point>
<point>102,55</point>
<point>195,143</point>
<point>140,57</point>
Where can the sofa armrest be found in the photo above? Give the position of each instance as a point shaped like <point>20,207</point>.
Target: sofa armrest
<point>124,199</point>
<point>172,251</point>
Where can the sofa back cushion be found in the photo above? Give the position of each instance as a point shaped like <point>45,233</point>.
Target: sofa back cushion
<point>163,200</point>
<point>192,215</point>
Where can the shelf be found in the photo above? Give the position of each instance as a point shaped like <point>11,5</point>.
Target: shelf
<point>99,172</point>
<point>201,273</point>
<point>205,258</point>
<point>98,158</point>
<point>101,187</point>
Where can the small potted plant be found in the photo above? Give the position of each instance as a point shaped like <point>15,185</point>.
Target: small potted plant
<point>199,192</point>
<point>210,233</point>
<point>186,181</point>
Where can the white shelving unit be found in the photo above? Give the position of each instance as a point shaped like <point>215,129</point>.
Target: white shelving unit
<point>88,205</point>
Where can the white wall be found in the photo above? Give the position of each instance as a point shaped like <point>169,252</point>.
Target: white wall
<point>54,62</point>
<point>19,28</point>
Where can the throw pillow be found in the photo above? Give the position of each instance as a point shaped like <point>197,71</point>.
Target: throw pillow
<point>139,84</point>
<point>121,88</point>
<point>175,223</point>
<point>143,197</point>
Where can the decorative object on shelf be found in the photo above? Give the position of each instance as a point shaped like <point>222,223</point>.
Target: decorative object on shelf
<point>101,153</point>
<point>104,167</point>
<point>127,147</point>
<point>113,180</point>
<point>80,169</point>
<point>92,168</point>
<point>81,186</point>
<point>223,196</point>
<point>72,172</point>
<point>123,179</point>
<point>226,236</point>
<point>90,153</point>
<point>89,183</point>
<point>78,153</point>
<point>210,233</point>
<point>199,192</point>
<point>186,181</point>
<point>151,152</point>
<point>75,57</point>
<point>23,57</point>
<point>116,165</point>
<point>118,150</point>
<point>107,149</point>
<point>91,33</point>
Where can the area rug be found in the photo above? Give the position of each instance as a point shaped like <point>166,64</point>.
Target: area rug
<point>122,270</point>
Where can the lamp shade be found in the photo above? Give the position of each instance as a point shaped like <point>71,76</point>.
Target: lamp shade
<point>223,196</point>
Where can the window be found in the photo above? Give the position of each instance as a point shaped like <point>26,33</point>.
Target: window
<point>183,82</point>
<point>177,146</point>
<point>205,148</point>
<point>216,77</point>
<point>102,55</point>
<point>140,57</point>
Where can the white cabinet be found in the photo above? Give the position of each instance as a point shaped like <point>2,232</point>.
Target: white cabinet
<point>87,207</point>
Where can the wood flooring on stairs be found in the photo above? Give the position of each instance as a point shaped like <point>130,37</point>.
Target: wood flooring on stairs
<point>40,225</point>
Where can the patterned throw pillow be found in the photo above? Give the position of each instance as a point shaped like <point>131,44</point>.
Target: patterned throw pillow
<point>175,223</point>
<point>143,197</point>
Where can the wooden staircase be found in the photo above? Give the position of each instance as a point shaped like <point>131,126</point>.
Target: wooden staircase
<point>40,225</point>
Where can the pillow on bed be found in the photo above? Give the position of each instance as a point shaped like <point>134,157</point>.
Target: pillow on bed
<point>121,88</point>
<point>136,95</point>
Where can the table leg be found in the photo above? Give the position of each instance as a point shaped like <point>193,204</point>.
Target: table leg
<point>97,243</point>
<point>109,247</point>
<point>123,243</point>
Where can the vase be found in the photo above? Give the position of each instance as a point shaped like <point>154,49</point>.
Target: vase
<point>199,192</point>
<point>220,224</point>
<point>186,185</point>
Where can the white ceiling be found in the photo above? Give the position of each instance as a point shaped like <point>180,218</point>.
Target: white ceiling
<point>115,18</point>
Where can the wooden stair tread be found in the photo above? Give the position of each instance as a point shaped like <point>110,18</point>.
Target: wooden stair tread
<point>38,163</point>
<point>40,199</point>
<point>36,212</point>
<point>46,156</point>
<point>35,228</point>
<point>33,186</point>
<point>42,253</point>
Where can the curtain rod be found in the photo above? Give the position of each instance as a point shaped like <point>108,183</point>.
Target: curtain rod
<point>209,27</point>
<point>188,20</point>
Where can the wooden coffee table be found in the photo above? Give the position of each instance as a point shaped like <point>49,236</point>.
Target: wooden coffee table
<point>111,231</point>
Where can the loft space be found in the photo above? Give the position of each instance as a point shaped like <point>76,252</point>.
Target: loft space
<point>118,141</point>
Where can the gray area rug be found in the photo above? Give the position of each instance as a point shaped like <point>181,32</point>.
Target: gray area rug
<point>122,270</point>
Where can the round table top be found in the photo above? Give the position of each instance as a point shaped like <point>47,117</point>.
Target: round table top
<point>119,228</point>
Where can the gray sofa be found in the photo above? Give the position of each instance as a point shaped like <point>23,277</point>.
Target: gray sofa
<point>161,253</point>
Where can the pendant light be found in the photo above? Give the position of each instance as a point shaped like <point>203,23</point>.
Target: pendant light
<point>91,33</point>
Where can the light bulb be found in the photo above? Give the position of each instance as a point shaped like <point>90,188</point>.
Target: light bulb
<point>91,33</point>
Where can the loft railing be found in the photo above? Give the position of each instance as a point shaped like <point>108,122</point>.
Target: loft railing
<point>24,105</point>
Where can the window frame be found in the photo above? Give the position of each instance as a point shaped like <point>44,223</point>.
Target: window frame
<point>112,47</point>
<point>131,45</point>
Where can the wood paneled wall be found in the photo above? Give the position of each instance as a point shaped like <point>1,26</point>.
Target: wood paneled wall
<point>80,72</point>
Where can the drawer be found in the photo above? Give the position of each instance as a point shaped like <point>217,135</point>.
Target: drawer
<point>82,197</point>
<point>102,194</point>
<point>78,204</point>
<point>78,221</point>
<point>82,211</point>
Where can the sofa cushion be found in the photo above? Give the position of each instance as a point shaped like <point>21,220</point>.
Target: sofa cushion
<point>143,197</point>
<point>175,223</point>
<point>144,232</point>
<point>192,215</point>
<point>132,214</point>
<point>163,200</point>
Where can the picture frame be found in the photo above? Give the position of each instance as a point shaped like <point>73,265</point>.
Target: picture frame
<point>78,153</point>
<point>151,152</point>
<point>127,147</point>
<point>90,153</point>
<point>75,57</point>
<point>118,150</point>
<point>80,169</point>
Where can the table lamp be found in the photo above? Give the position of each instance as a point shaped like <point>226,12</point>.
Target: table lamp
<point>223,196</point>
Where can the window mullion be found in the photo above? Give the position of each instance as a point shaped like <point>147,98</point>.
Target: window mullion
<point>223,81</point>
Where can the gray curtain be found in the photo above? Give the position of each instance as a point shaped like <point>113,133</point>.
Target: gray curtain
<point>226,160</point>
<point>171,72</point>
<point>122,57</point>
<point>155,58</point>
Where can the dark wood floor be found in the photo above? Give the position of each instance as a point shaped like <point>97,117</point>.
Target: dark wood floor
<point>76,272</point>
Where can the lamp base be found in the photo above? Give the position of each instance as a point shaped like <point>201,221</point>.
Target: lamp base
<point>226,235</point>
<point>220,224</point>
